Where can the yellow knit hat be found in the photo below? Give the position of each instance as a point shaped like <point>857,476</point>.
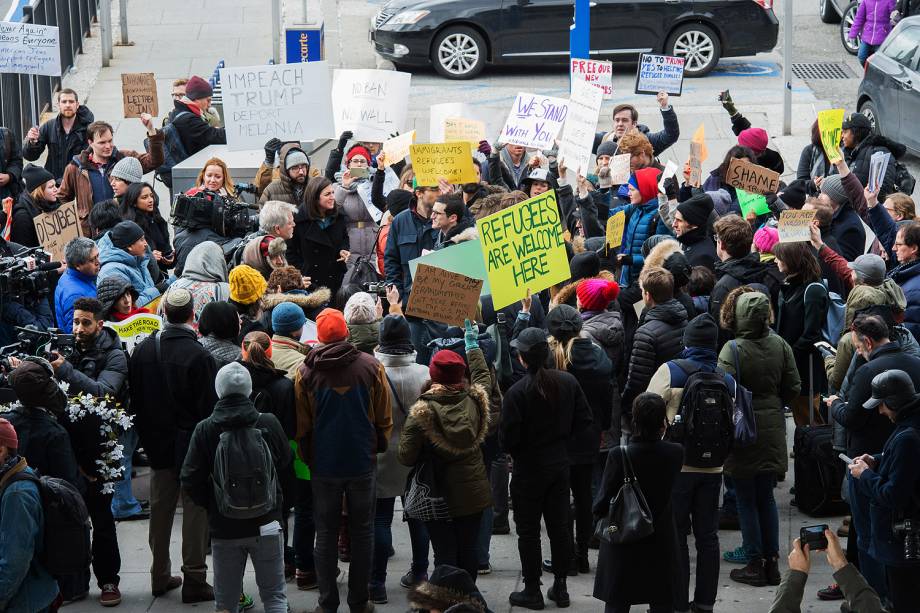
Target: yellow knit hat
<point>247,284</point>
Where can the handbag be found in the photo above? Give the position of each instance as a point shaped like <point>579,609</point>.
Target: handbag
<point>743,414</point>
<point>629,518</point>
<point>422,500</point>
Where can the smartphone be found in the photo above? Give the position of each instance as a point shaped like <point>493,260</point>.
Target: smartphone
<point>358,173</point>
<point>814,537</point>
<point>824,346</point>
<point>845,458</point>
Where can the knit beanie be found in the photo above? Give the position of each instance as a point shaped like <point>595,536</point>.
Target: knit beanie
<point>395,335</point>
<point>8,436</point>
<point>247,285</point>
<point>702,332</point>
<point>331,326</point>
<point>756,139</point>
<point>765,239</point>
<point>646,181</point>
<point>870,269</point>
<point>128,169</point>
<point>197,88</point>
<point>833,187</point>
<point>110,289</point>
<point>233,379</point>
<point>563,321</point>
<point>358,150</point>
<point>596,294</point>
<point>35,176</point>
<point>398,201</point>
<point>794,194</point>
<point>287,317</point>
<point>608,147</point>
<point>696,210</point>
<point>125,234</point>
<point>584,265</point>
<point>447,367</point>
<point>679,266</point>
<point>295,157</point>
<point>361,308</point>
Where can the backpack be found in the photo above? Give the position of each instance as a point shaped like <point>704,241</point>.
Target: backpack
<point>903,181</point>
<point>244,477</point>
<point>705,426</point>
<point>66,549</point>
<point>833,323</point>
<point>173,150</point>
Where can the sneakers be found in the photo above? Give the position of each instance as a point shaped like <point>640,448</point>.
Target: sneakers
<point>739,555</point>
<point>306,579</point>
<point>410,579</point>
<point>110,595</point>
<point>529,598</point>
<point>172,584</point>
<point>752,574</point>
<point>377,593</point>
<point>559,593</point>
<point>246,602</point>
<point>831,592</point>
<point>484,569</point>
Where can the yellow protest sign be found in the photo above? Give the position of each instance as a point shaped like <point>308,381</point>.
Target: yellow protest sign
<point>451,161</point>
<point>136,328</point>
<point>830,125</point>
<point>615,226</point>
<point>460,129</point>
<point>523,249</point>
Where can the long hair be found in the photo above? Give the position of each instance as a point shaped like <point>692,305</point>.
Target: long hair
<point>129,210</point>
<point>228,180</point>
<point>648,414</point>
<point>257,345</point>
<point>799,260</point>
<point>561,347</point>
<point>735,153</point>
<point>315,187</point>
<point>540,381</point>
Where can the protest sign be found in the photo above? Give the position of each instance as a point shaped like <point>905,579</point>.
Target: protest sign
<point>751,202</point>
<point>397,148</point>
<point>442,295</point>
<point>696,164</point>
<point>580,124</point>
<point>136,328</point>
<point>750,177</point>
<point>460,129</point>
<point>596,72</point>
<point>464,258</point>
<point>57,228</point>
<point>372,104</point>
<point>615,226</point>
<point>139,94</point>
<point>619,168</point>
<point>795,226</point>
<point>670,170</point>
<point>438,114</point>
<point>830,126</point>
<point>284,101</point>
<point>523,249</point>
<point>878,167</point>
<point>534,121</point>
<point>452,161</point>
<point>699,136</point>
<point>28,48</point>
<point>660,73</point>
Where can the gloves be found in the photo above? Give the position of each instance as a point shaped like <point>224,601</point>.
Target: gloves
<point>344,137</point>
<point>625,259</point>
<point>604,179</point>
<point>726,99</point>
<point>271,149</point>
<point>470,335</point>
<point>485,148</point>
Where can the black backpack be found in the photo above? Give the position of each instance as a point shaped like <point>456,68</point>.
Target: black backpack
<point>244,478</point>
<point>904,182</point>
<point>173,150</point>
<point>66,528</point>
<point>704,424</point>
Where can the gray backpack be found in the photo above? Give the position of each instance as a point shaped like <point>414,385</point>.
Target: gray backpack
<point>245,481</point>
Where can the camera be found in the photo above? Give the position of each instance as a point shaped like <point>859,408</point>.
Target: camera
<point>245,188</point>
<point>910,529</point>
<point>380,289</point>
<point>814,537</point>
<point>206,209</point>
<point>24,276</point>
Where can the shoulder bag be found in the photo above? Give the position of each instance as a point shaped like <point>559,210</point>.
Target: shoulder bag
<point>629,518</point>
<point>743,415</point>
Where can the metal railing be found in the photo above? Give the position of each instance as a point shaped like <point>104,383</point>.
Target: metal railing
<point>21,104</point>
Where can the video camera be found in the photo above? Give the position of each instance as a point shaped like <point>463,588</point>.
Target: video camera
<point>909,528</point>
<point>32,343</point>
<point>206,209</point>
<point>24,276</point>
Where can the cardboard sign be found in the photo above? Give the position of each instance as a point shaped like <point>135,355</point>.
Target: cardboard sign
<point>696,164</point>
<point>285,101</point>
<point>523,249</point>
<point>452,161</point>
<point>28,48</point>
<point>830,125</point>
<point>439,113</point>
<point>596,72</point>
<point>57,228</point>
<point>660,73</point>
<point>795,226</point>
<point>699,136</point>
<point>464,258</point>
<point>619,168</point>
<point>615,226</point>
<point>139,93</point>
<point>135,329</point>
<point>751,177</point>
<point>534,121</point>
<point>578,133</point>
<point>441,295</point>
<point>372,104</point>
<point>878,167</point>
<point>751,202</point>
<point>397,148</point>
<point>460,129</point>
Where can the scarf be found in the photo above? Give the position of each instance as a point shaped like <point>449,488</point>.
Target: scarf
<point>10,463</point>
<point>117,316</point>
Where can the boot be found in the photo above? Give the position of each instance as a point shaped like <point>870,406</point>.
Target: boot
<point>572,572</point>
<point>584,567</point>
<point>529,598</point>
<point>752,574</point>
<point>559,593</point>
<point>771,570</point>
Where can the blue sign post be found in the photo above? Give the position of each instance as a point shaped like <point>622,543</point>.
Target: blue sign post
<point>580,32</point>
<point>305,43</point>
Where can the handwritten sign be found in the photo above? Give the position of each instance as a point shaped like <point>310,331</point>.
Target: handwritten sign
<point>464,258</point>
<point>28,48</point>
<point>696,164</point>
<point>441,295</point>
<point>830,126</point>
<point>596,72</point>
<point>397,148</point>
<point>57,228</point>
<point>523,249</point>
<point>795,226</point>
<point>438,114</point>
<point>534,121</point>
<point>751,202</point>
<point>135,329</point>
<point>370,103</point>
<point>619,168</point>
<point>750,177</point>
<point>615,226</point>
<point>452,161</point>
<point>578,133</point>
<point>670,170</point>
<point>660,73</point>
<point>139,93</point>
<point>460,129</point>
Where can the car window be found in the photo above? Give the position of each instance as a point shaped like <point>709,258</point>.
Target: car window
<point>905,47</point>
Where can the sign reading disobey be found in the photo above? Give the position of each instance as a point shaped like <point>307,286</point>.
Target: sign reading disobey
<point>441,295</point>
<point>57,228</point>
<point>139,94</point>
<point>751,177</point>
<point>523,249</point>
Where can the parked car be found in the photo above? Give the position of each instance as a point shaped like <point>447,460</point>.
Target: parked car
<point>459,37</point>
<point>842,12</point>
<point>889,94</point>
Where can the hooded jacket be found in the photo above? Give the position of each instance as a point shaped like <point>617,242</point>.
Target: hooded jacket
<point>310,302</point>
<point>22,229</point>
<point>907,276</point>
<point>641,222</point>
<point>284,188</point>
<point>205,276</point>
<point>116,261</point>
<point>73,284</point>
<point>62,146</point>
<point>659,338</point>
<point>99,370</point>
<point>872,21</point>
<point>699,248</point>
<point>194,131</point>
<point>487,201</point>
<point>800,317</point>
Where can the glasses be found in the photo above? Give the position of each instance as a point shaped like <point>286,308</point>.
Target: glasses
<point>176,96</point>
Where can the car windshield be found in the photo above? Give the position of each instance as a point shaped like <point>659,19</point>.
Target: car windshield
<point>905,48</point>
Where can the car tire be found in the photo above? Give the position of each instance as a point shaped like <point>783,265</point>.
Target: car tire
<point>827,12</point>
<point>458,52</point>
<point>868,109</point>
<point>698,45</point>
<point>851,46</point>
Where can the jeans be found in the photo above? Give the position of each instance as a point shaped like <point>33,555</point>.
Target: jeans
<point>304,528</point>
<point>865,50</point>
<point>695,499</point>
<point>383,540</point>
<point>164,496</point>
<point>124,504</point>
<point>455,542</point>
<point>580,477</point>
<point>757,514</point>
<point>228,557</point>
<point>903,587</point>
<point>485,536</point>
<point>729,501</point>
<point>359,493</point>
<point>545,493</point>
<point>418,537</point>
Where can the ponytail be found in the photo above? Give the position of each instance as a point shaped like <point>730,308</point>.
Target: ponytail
<point>562,352</point>
<point>535,361</point>
<point>258,348</point>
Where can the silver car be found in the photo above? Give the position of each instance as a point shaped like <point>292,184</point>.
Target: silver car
<point>842,12</point>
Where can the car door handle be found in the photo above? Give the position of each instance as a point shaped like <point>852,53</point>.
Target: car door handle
<point>908,84</point>
<point>672,1</point>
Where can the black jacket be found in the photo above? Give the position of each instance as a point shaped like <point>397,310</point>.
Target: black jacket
<point>858,159</point>
<point>799,321</point>
<point>769,158</point>
<point>62,146</point>
<point>848,230</point>
<point>594,372</point>
<point>699,248</point>
<point>273,392</point>
<point>99,370</point>
<point>194,132</point>
<point>171,395</point>
<point>659,338</point>
<point>45,443</point>
<point>315,251</point>
<point>736,272</point>
<point>22,230</point>
<point>11,164</point>
<point>234,411</point>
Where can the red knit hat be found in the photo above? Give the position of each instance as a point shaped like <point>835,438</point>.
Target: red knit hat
<point>447,367</point>
<point>358,150</point>
<point>8,436</point>
<point>197,88</point>
<point>596,294</point>
<point>331,327</point>
<point>756,139</point>
<point>646,181</point>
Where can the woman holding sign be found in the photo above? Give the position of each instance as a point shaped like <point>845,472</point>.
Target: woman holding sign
<point>320,246</point>
<point>352,196</point>
<point>39,197</point>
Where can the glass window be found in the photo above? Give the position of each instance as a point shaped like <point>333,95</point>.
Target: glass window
<point>905,47</point>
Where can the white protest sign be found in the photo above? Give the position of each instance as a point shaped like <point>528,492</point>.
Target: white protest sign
<point>372,104</point>
<point>534,121</point>
<point>578,133</point>
<point>878,166</point>
<point>619,168</point>
<point>284,101</point>
<point>29,48</point>
<point>660,73</point>
<point>438,113</point>
<point>397,148</point>
<point>670,170</point>
<point>596,72</point>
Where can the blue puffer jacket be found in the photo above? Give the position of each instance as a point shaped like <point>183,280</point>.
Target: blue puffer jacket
<point>25,586</point>
<point>908,277</point>
<point>73,284</point>
<point>642,222</point>
<point>117,261</point>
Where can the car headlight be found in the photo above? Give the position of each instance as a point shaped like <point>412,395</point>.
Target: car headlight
<point>406,18</point>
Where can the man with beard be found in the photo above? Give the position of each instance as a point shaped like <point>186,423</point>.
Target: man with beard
<point>293,174</point>
<point>65,136</point>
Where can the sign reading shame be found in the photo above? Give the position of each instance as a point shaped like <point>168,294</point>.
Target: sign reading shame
<point>372,104</point>
<point>139,93</point>
<point>442,295</point>
<point>751,177</point>
<point>285,101</point>
<point>534,121</point>
<point>57,228</point>
<point>29,48</point>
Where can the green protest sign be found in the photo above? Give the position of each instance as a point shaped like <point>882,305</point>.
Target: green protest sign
<point>752,202</point>
<point>464,258</point>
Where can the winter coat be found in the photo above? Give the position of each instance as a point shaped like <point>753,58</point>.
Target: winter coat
<point>907,276</point>
<point>311,303</point>
<point>659,140</point>
<point>362,229</point>
<point>606,329</point>
<point>641,223</point>
<point>288,354</point>
<point>699,248</point>
<point>62,146</point>
<point>623,575</point>
<point>25,585</point>
<point>170,395</point>
<point>10,163</point>
<point>465,230</point>
<point>284,188</point>
<point>659,338</point>
<point>22,229</point>
<point>856,590</point>
<point>101,370</point>
<point>813,163</point>
<point>273,392</point>
<point>116,261</point>
<point>847,229</point>
<point>406,379</point>
<point>364,336</point>
<point>223,351</point>
<point>344,416</point>
<point>230,413</point>
<point>800,317</point>
<point>73,284</point>
<point>768,371</point>
<point>449,425</point>
<point>872,21</point>
<point>315,250</point>
<point>595,375</point>
<point>768,158</point>
<point>205,275</point>
<point>409,235</point>
<point>194,131</point>
<point>45,442</point>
